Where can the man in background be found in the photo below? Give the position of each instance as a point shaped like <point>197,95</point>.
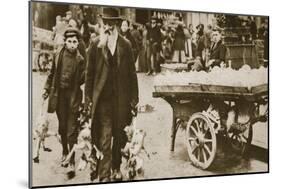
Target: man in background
<point>154,37</point>
<point>217,51</point>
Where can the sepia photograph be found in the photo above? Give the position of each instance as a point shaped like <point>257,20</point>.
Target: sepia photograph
<point>124,94</point>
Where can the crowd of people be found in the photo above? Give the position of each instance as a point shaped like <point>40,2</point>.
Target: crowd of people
<point>161,39</point>
<point>165,38</point>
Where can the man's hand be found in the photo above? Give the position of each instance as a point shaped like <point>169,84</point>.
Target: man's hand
<point>45,94</point>
<point>87,106</point>
<point>222,65</point>
<point>134,109</point>
<point>210,62</point>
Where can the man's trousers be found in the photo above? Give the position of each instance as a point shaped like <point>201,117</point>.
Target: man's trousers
<point>105,125</point>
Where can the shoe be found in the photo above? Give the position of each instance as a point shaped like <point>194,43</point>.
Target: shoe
<point>104,180</point>
<point>93,175</point>
<point>154,73</point>
<point>71,171</point>
<point>116,175</point>
<point>47,149</point>
<point>36,159</point>
<point>148,73</point>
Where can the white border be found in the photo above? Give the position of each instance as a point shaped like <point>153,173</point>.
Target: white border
<point>14,92</point>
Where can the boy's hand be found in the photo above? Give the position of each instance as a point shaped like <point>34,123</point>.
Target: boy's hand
<point>45,95</point>
<point>134,108</point>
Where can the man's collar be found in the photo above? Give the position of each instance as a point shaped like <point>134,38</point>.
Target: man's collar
<point>112,41</point>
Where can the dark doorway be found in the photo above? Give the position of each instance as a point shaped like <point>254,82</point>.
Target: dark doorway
<point>142,16</point>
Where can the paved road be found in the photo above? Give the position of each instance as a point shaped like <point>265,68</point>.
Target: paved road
<point>163,163</point>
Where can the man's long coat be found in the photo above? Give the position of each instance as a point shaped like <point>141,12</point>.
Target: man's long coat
<point>97,70</point>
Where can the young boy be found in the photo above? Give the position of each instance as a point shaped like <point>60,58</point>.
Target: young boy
<point>63,89</point>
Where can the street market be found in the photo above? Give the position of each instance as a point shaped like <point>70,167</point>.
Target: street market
<point>123,94</point>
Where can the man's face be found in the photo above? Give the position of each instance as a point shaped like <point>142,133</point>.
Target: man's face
<point>108,26</point>
<point>72,23</point>
<point>153,23</point>
<point>71,43</point>
<point>68,16</point>
<point>124,26</point>
<point>216,36</point>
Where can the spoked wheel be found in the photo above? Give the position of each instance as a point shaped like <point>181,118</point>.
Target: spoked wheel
<point>241,141</point>
<point>201,141</point>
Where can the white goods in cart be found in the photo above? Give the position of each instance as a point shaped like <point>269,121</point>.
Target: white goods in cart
<point>244,77</point>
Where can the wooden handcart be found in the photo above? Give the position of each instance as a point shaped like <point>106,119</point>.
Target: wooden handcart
<point>205,110</point>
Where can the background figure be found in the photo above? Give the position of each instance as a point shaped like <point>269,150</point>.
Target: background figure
<point>253,28</point>
<point>148,49</point>
<point>266,45</point>
<point>59,30</point>
<point>137,35</point>
<point>190,29</point>
<point>85,32</point>
<point>201,45</point>
<point>111,86</point>
<point>143,47</point>
<point>125,32</point>
<point>167,43</point>
<point>217,51</point>
<point>208,34</point>
<point>179,45</point>
<point>68,16</point>
<point>154,37</point>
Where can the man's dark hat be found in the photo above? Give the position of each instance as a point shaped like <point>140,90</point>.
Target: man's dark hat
<point>110,14</point>
<point>71,32</point>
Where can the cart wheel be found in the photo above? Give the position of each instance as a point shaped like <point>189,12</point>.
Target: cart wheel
<point>241,142</point>
<point>201,140</point>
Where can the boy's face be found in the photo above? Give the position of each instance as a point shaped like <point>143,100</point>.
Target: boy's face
<point>71,44</point>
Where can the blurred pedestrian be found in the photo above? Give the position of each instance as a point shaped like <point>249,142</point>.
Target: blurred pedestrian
<point>68,16</point>
<point>217,51</point>
<point>154,37</point>
<point>143,46</point>
<point>59,30</point>
<point>125,32</point>
<point>179,45</point>
<point>253,28</point>
<point>190,29</point>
